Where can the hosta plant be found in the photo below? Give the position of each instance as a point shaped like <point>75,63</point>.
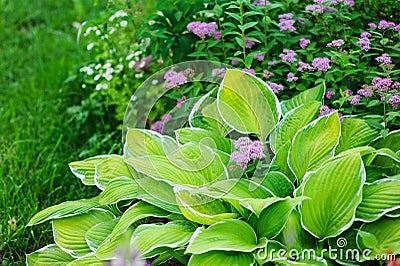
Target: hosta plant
<point>248,181</point>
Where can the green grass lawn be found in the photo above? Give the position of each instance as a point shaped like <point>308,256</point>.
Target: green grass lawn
<point>38,51</point>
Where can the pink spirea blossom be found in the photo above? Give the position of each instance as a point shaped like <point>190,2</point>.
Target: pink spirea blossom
<point>174,79</point>
<point>372,25</point>
<point>304,43</point>
<point>347,92</point>
<point>381,84</point>
<point>143,64</point>
<point>247,149</point>
<point>250,71</point>
<point>335,43</point>
<point>218,72</point>
<point>267,74</point>
<point>397,28</point>
<point>304,66</point>
<point>291,77</point>
<point>321,63</point>
<point>302,21</point>
<point>325,110</point>
<point>271,63</point>
<point>367,92</point>
<point>248,43</point>
<point>286,22</point>
<point>366,34</point>
<point>180,101</point>
<point>158,126</point>
<point>288,56</point>
<point>261,3</point>
<point>329,94</point>
<point>384,59</point>
<point>355,99</point>
<point>259,57</point>
<point>234,62</point>
<point>383,24</point>
<point>394,101</point>
<point>365,43</point>
<point>203,29</point>
<point>275,87</point>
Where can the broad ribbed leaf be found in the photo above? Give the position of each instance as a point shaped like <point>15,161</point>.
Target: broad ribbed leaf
<point>200,208</point>
<point>278,184</point>
<point>227,235</point>
<point>335,192</point>
<point>65,209</point>
<point>49,255</point>
<point>347,242</point>
<point>269,224</point>
<point>96,235</point>
<point>91,260</point>
<point>148,237</point>
<point>379,198</point>
<point>217,258</point>
<point>387,234</point>
<point>141,142</point>
<point>247,104</point>
<point>85,170</point>
<point>393,214</point>
<point>106,250</point>
<point>292,122</point>
<point>314,144</point>
<point>205,137</point>
<point>355,133</point>
<point>120,188</point>
<point>110,168</point>
<point>310,95</point>
<point>135,213</point>
<point>69,233</point>
<point>281,160</point>
<point>391,141</point>
<point>256,206</point>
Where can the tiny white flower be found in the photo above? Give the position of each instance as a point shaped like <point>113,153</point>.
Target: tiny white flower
<point>152,22</point>
<point>154,81</point>
<point>142,64</point>
<point>137,58</point>
<point>137,53</point>
<point>109,71</point>
<point>89,71</point>
<point>90,46</point>
<point>108,76</point>
<point>108,65</point>
<point>112,30</point>
<point>83,86</point>
<point>98,32</point>
<point>98,87</point>
<point>119,67</point>
<point>138,76</point>
<point>129,57</point>
<point>131,64</point>
<point>123,23</point>
<point>111,18</point>
<point>133,98</point>
<point>97,77</point>
<point>160,13</point>
<point>121,13</point>
<point>98,66</point>
<point>104,86</point>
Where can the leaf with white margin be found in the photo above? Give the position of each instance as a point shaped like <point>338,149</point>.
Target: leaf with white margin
<point>269,224</point>
<point>110,168</point>
<point>227,235</point>
<point>274,250</point>
<point>217,258</point>
<point>391,141</point>
<point>279,184</point>
<point>315,262</point>
<point>386,231</point>
<point>135,213</point>
<point>335,191</point>
<point>96,235</point>
<point>247,104</point>
<point>65,209</point>
<point>199,208</point>
<point>292,122</point>
<point>379,198</point>
<point>148,237</point>
<point>91,260</point>
<point>281,160</point>
<point>314,144</point>
<point>256,206</point>
<point>49,255</point>
<point>69,233</point>
<point>120,188</point>
<point>314,94</point>
<point>142,142</point>
<point>85,170</point>
<point>355,133</point>
<point>106,250</point>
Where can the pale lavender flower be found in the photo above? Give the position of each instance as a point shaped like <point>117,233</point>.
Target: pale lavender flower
<point>158,126</point>
<point>355,99</point>
<point>234,62</point>
<point>383,24</point>
<point>286,22</point>
<point>396,85</point>
<point>181,101</point>
<point>372,25</point>
<point>397,28</point>
<point>365,34</point>
<point>203,29</point>
<point>302,21</point>
<point>250,71</point>
<point>347,92</point>
<point>385,59</point>
<point>267,74</point>
<point>248,43</point>
<point>271,63</point>
<point>261,3</point>
<point>324,110</point>
<point>394,101</point>
<point>275,87</point>
<point>218,72</point>
<point>364,43</point>
<point>143,64</point>
<point>335,43</point>
<point>174,79</point>
<point>246,150</point>
<point>291,77</point>
<point>329,94</point>
<point>321,63</point>
<point>304,43</point>
<point>367,92</point>
<point>381,84</point>
<point>288,56</point>
<point>259,57</point>
<point>304,66</point>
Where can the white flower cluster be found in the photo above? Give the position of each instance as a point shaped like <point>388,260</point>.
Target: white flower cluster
<point>103,73</point>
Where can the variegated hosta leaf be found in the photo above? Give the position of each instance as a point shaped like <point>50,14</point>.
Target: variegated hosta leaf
<point>200,208</point>
<point>347,243</point>
<point>247,104</point>
<point>281,160</point>
<point>217,258</point>
<point>96,235</point>
<point>49,255</point>
<point>65,209</point>
<point>85,170</point>
<point>391,141</point>
<point>135,213</point>
<point>107,249</point>
<point>278,184</point>
<point>269,224</point>
<point>314,262</point>
<point>314,144</point>
<point>355,133</point>
<point>379,198</point>
<point>110,168</point>
<point>292,122</point>
<point>69,233</point>
<point>314,94</point>
<point>120,188</point>
<point>91,260</point>
<point>385,233</point>
<point>226,235</point>
<point>335,192</point>
<point>148,237</point>
<point>141,142</point>
<point>256,206</point>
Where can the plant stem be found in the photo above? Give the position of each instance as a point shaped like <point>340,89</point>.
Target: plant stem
<point>242,35</point>
<point>206,45</point>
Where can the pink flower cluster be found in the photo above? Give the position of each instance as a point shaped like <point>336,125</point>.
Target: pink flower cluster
<point>335,43</point>
<point>286,22</point>
<point>158,126</point>
<point>291,77</point>
<point>248,43</point>
<point>275,87</point>
<point>250,71</point>
<point>180,101</point>
<point>268,74</point>
<point>329,94</point>
<point>325,110</point>
<point>384,59</point>
<point>288,56</point>
<point>304,43</point>
<point>174,79</point>
<point>394,101</point>
<point>247,150</point>
<point>203,29</point>
<point>218,72</point>
<point>318,63</point>
<point>261,3</point>
<point>260,57</point>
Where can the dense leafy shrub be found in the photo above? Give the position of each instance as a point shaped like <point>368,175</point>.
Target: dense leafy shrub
<point>291,181</point>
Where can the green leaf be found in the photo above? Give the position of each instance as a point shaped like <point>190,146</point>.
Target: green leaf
<point>97,234</point>
<point>85,170</point>
<point>49,255</point>
<point>278,184</point>
<point>69,233</point>
<point>135,213</point>
<point>355,133</point>
<point>247,104</point>
<point>335,192</point>
<point>256,206</point>
<point>110,168</point>
<point>387,233</point>
<point>314,144</point>
<point>91,260</point>
<point>200,208</point>
<point>368,239</point>
<point>106,250</point>
<point>141,142</point>
<point>247,25</point>
<point>120,188</point>
<point>391,141</point>
<point>65,209</point>
<point>217,258</point>
<point>314,94</point>
<point>292,122</point>
<point>269,224</point>
<point>281,160</point>
<point>148,237</point>
<point>378,198</point>
<point>226,235</point>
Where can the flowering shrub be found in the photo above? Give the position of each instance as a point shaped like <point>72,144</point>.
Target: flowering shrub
<point>290,180</point>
